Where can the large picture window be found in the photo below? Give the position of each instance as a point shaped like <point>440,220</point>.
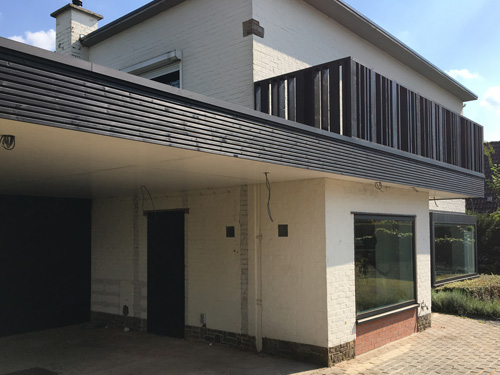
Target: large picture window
<point>385,263</point>
<point>453,246</point>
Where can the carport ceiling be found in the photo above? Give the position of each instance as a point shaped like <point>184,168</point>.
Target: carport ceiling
<point>49,161</point>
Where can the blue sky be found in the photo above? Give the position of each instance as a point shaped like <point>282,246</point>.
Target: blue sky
<point>461,37</point>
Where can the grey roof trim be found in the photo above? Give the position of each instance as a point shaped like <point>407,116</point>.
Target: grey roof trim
<point>368,30</point>
<point>129,20</point>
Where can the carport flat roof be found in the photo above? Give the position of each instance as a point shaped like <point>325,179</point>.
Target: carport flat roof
<point>84,130</point>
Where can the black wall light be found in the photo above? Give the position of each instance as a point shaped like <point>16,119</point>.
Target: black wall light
<point>8,142</point>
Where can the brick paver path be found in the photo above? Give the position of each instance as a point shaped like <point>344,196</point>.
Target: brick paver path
<point>452,346</point>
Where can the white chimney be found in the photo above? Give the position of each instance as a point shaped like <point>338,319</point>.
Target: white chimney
<point>72,23</point>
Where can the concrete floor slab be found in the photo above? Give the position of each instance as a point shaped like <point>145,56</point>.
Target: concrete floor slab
<point>75,350</point>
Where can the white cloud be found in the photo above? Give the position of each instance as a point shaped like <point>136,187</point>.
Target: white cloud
<point>41,39</point>
<point>462,73</point>
<point>491,99</point>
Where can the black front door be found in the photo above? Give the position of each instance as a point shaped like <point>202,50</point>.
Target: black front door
<point>166,273</point>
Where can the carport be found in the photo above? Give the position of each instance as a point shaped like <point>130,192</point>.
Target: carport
<point>85,135</point>
<point>49,181</point>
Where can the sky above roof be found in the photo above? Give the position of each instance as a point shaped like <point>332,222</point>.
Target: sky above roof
<point>461,37</point>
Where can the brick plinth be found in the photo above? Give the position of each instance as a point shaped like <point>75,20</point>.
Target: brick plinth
<point>340,353</point>
<point>234,340</point>
<point>423,322</point>
<point>297,351</point>
<point>119,320</point>
<point>309,353</point>
<point>375,333</point>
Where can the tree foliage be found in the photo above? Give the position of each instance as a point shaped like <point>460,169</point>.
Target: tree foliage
<point>488,225</point>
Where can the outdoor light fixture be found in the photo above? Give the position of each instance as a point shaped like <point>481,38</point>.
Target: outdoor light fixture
<point>8,142</point>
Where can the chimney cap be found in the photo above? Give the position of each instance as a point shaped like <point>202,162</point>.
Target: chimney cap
<point>75,7</point>
<point>78,3</point>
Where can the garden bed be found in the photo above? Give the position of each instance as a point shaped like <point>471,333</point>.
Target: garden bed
<point>479,297</point>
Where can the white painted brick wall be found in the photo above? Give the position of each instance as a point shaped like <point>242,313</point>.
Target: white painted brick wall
<point>293,271</point>
<point>212,260</point>
<point>112,256</point>
<point>219,62</point>
<point>308,286</point>
<point>217,59</point>
<point>298,36</point>
<point>448,205</point>
<point>342,199</point>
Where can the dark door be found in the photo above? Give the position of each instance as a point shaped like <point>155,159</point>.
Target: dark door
<point>166,273</point>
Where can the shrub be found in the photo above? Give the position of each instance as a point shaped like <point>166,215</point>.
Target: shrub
<point>457,303</point>
<point>483,288</point>
<point>488,242</point>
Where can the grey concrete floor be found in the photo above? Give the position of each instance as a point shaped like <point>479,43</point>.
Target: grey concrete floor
<point>452,346</point>
<point>74,350</point>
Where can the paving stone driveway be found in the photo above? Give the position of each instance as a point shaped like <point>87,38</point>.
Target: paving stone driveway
<point>452,346</point>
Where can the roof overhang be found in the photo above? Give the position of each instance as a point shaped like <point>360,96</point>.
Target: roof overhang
<point>129,20</point>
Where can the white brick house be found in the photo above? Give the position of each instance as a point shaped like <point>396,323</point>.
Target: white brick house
<point>280,268</point>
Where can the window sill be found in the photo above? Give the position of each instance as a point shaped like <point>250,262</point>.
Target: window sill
<point>455,279</point>
<point>388,313</point>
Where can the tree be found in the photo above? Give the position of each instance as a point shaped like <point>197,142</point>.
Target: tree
<point>488,225</point>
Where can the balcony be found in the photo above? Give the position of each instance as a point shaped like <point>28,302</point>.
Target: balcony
<point>347,98</point>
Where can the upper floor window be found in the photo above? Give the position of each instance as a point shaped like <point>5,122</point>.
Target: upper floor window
<point>169,75</point>
<point>165,68</point>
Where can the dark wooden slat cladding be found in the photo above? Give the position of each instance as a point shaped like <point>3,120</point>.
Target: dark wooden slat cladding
<point>325,99</point>
<point>281,99</point>
<point>317,98</point>
<point>300,94</point>
<point>374,108</point>
<point>274,98</point>
<point>335,95</point>
<point>292,103</point>
<point>41,91</point>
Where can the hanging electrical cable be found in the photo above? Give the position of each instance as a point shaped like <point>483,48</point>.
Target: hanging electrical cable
<point>268,185</point>
<point>145,189</point>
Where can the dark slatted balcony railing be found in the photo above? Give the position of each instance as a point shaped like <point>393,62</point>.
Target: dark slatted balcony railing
<point>347,98</point>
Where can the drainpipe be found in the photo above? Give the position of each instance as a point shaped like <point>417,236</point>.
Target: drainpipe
<point>258,268</point>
